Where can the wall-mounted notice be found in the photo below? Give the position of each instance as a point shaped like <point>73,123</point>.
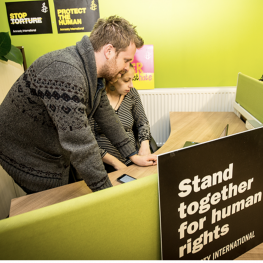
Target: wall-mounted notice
<point>29,17</point>
<point>76,15</point>
<point>211,198</point>
<point>144,70</point>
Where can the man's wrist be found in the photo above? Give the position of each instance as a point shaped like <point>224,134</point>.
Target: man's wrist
<point>132,154</point>
<point>134,158</point>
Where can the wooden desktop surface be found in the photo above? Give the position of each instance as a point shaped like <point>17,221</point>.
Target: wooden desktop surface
<point>185,126</point>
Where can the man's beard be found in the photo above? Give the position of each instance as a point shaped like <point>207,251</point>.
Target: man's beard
<point>109,70</point>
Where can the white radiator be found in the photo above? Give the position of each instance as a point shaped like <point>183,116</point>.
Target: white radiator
<point>159,102</point>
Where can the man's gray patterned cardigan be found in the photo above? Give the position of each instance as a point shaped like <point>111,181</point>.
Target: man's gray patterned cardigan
<point>44,121</point>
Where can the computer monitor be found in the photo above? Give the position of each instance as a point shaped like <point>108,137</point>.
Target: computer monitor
<point>249,98</point>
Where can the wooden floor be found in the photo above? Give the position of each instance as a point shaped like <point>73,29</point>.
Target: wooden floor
<point>255,253</point>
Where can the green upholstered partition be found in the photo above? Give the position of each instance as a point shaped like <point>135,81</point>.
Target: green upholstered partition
<point>250,95</point>
<point>119,223</point>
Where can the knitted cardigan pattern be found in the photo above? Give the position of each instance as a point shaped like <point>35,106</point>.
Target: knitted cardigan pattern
<point>44,121</point>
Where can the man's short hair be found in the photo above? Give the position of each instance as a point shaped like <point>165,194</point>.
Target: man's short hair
<point>116,31</point>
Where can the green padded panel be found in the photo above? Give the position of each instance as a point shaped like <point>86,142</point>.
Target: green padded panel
<point>250,95</point>
<point>119,223</point>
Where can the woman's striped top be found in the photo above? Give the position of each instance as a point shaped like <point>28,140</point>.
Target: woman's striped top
<point>130,112</point>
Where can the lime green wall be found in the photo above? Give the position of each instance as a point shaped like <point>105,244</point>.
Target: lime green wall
<point>197,43</point>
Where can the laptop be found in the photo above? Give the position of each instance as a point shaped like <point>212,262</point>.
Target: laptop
<point>223,134</point>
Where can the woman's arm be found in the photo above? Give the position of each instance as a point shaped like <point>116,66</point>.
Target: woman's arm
<point>113,161</point>
<point>142,124</point>
<point>112,127</point>
<point>106,157</point>
<point>144,148</point>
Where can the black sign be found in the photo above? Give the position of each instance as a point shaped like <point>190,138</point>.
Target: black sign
<point>211,198</point>
<point>76,15</point>
<point>31,17</point>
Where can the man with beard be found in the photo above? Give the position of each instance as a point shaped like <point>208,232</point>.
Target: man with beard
<point>45,131</point>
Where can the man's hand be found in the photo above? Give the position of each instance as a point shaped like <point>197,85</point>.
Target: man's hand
<point>146,160</point>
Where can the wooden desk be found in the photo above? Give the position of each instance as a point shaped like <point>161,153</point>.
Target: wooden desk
<point>185,126</point>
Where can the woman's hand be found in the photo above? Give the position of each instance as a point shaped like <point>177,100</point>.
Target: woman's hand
<point>119,165</point>
<point>145,148</point>
<point>113,161</point>
<point>146,160</point>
